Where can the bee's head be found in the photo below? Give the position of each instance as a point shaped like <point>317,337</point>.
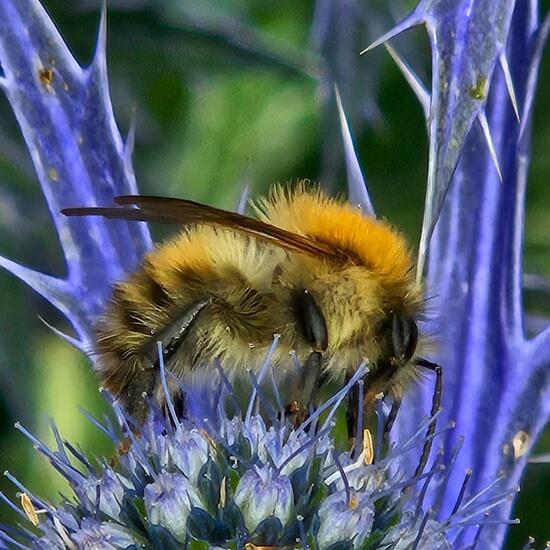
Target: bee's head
<point>399,336</point>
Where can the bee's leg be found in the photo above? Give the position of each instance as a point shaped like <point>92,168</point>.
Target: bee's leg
<point>167,343</point>
<point>138,391</point>
<point>179,401</point>
<point>311,378</point>
<point>312,325</point>
<point>374,385</point>
<point>436,406</point>
<point>392,416</point>
<point>305,388</point>
<point>376,389</point>
<point>352,412</point>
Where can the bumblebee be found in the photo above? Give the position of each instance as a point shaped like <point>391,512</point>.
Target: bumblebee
<point>336,286</point>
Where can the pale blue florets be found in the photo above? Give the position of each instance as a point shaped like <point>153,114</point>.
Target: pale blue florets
<point>345,517</point>
<point>168,503</point>
<point>239,481</point>
<point>262,493</point>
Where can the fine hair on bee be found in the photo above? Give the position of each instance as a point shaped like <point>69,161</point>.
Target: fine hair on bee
<point>337,286</point>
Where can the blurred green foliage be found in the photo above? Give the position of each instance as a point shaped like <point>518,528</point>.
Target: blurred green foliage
<point>224,94</point>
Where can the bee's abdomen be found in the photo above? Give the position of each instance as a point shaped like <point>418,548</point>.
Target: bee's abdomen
<point>236,322</point>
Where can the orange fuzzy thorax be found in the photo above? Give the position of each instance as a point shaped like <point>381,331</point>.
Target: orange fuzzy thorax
<point>377,246</point>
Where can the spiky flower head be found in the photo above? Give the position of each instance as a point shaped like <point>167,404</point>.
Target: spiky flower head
<point>302,491</point>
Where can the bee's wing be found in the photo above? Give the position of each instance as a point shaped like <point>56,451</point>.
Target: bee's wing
<point>185,212</point>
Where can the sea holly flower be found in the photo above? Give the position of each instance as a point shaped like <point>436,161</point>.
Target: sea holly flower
<point>189,452</point>
<point>110,489</point>
<point>168,502</point>
<point>345,516</point>
<point>107,536</point>
<point>333,497</point>
<point>286,454</point>
<point>407,535</point>
<point>263,492</point>
<point>68,124</point>
<point>496,380</point>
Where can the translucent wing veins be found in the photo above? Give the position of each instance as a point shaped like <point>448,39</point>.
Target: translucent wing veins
<point>186,212</point>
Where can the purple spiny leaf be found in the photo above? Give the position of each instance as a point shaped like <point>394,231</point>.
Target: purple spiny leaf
<point>461,72</point>
<point>68,124</point>
<point>496,382</point>
<point>467,39</point>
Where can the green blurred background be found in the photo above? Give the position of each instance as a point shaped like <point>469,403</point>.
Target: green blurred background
<point>228,93</point>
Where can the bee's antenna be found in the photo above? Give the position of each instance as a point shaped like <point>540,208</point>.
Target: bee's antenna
<point>436,406</point>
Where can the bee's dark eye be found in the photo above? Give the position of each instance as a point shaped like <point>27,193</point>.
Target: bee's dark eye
<point>404,337</point>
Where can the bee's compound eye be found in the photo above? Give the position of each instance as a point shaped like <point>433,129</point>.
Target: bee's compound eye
<point>404,337</point>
